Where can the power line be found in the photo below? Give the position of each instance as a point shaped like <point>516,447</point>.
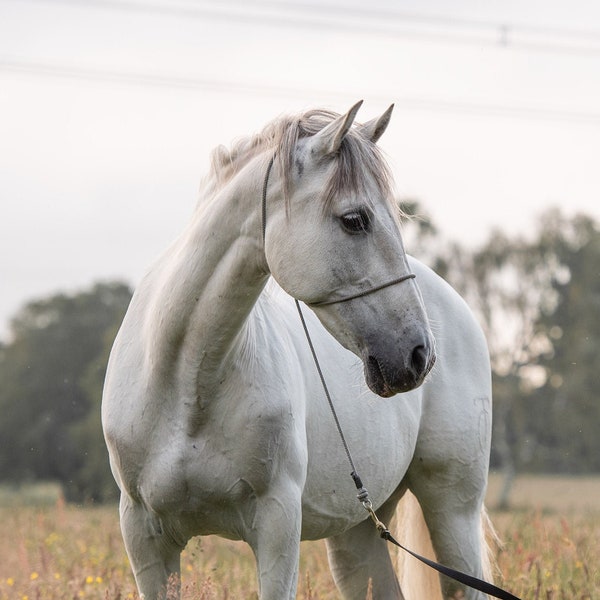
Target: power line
<point>136,78</point>
<point>386,14</point>
<point>379,22</point>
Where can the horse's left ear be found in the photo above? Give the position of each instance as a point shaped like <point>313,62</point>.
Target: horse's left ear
<point>374,128</point>
<point>329,139</point>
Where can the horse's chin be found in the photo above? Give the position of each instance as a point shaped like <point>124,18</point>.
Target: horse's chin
<point>385,392</point>
<point>375,378</point>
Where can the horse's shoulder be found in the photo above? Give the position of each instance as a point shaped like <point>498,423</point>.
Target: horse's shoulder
<point>441,300</point>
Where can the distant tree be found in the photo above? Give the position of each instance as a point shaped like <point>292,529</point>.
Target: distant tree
<point>92,478</point>
<point>537,300</point>
<point>45,374</point>
<point>565,433</point>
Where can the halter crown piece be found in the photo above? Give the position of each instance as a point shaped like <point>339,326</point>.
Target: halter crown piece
<point>336,300</point>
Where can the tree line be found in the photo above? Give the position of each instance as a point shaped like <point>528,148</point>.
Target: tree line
<point>537,298</point>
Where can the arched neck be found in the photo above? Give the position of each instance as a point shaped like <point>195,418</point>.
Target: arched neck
<point>206,284</point>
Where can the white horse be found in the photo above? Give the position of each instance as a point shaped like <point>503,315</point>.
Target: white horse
<point>214,415</point>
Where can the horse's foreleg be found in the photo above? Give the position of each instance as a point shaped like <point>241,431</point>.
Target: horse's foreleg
<point>275,541</point>
<point>359,558</point>
<point>153,554</point>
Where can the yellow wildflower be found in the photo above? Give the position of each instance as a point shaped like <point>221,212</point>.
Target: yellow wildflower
<point>10,582</point>
<point>34,576</point>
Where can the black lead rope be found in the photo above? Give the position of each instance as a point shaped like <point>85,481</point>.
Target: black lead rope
<point>468,580</point>
<point>363,497</point>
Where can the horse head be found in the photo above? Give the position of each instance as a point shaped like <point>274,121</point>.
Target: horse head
<point>333,241</point>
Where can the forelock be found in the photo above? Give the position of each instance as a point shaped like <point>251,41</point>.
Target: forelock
<point>359,162</point>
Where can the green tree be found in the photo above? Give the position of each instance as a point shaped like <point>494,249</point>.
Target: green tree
<point>92,478</point>
<point>45,394</point>
<point>565,433</point>
<point>537,300</point>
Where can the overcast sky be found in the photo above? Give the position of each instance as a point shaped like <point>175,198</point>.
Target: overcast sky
<point>109,109</point>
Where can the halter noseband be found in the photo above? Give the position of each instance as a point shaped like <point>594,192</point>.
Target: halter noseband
<point>337,300</point>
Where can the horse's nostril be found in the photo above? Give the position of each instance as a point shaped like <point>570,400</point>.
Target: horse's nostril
<point>419,359</point>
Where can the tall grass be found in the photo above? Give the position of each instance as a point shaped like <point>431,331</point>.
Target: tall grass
<point>66,552</point>
<point>63,552</point>
<point>549,556</point>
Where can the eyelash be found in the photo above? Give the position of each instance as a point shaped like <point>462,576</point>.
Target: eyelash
<point>357,221</point>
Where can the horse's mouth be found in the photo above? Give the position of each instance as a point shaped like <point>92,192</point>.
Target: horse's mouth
<point>387,383</point>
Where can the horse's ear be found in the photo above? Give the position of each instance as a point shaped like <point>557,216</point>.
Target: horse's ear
<point>373,129</point>
<point>329,139</point>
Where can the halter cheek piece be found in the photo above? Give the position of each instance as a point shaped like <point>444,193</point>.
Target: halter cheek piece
<point>336,300</point>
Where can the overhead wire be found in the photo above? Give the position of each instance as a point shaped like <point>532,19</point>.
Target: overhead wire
<point>36,68</point>
<point>136,78</point>
<point>505,29</point>
<point>373,21</point>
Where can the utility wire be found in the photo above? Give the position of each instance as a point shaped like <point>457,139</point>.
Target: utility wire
<point>387,15</point>
<point>230,11</point>
<point>367,22</point>
<point>11,65</point>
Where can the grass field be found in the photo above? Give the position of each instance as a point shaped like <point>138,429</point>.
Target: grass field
<point>59,552</point>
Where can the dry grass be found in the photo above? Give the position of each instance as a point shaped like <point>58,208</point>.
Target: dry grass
<point>64,552</point>
<point>59,552</point>
<point>550,557</point>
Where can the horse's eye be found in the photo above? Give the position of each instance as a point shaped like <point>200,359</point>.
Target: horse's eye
<point>357,221</point>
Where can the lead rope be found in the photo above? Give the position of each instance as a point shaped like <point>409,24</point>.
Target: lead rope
<point>363,494</point>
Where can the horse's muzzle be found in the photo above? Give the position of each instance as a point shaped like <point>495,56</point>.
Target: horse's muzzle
<point>386,378</point>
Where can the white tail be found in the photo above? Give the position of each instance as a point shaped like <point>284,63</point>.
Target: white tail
<point>417,580</point>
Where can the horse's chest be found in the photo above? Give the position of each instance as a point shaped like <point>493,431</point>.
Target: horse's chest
<point>222,469</point>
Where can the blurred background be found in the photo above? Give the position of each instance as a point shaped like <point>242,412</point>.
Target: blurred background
<point>109,110</point>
